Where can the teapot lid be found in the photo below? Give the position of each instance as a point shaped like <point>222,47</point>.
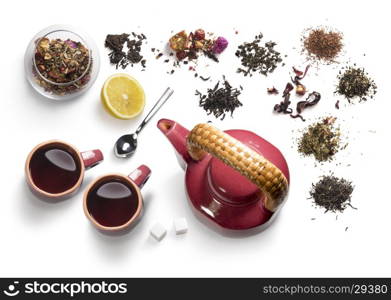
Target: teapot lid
<point>229,185</point>
<point>224,195</point>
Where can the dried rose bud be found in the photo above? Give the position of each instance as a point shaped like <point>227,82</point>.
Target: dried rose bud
<point>71,44</point>
<point>300,89</point>
<point>180,55</point>
<point>178,41</point>
<point>219,45</point>
<point>199,34</point>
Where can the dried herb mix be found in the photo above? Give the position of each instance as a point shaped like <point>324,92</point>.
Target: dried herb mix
<point>322,44</point>
<point>186,48</point>
<point>62,66</point>
<point>332,193</point>
<point>322,140</point>
<point>258,58</point>
<point>221,99</point>
<point>191,45</point>
<point>118,43</point>
<point>355,83</point>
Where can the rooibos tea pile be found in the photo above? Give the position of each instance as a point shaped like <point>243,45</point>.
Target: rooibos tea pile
<point>220,99</point>
<point>113,202</point>
<point>322,140</point>
<point>332,193</point>
<point>258,58</point>
<point>61,66</point>
<point>54,169</point>
<point>322,44</point>
<point>355,83</point>
<point>118,43</point>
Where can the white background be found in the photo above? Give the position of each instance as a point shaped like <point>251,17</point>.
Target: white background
<point>41,239</point>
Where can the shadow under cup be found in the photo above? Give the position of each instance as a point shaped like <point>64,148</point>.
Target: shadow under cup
<point>113,203</point>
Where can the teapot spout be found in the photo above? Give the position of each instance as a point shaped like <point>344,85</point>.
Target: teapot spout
<point>177,135</point>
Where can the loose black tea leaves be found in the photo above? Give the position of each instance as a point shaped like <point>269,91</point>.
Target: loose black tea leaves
<point>258,58</point>
<point>125,50</point>
<point>355,83</point>
<point>62,66</point>
<point>332,193</point>
<point>322,140</point>
<point>220,100</point>
<point>322,44</point>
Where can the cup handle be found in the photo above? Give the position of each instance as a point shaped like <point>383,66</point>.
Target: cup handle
<point>140,176</point>
<point>91,158</point>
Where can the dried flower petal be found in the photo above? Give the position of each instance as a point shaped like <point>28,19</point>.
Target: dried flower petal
<point>219,45</point>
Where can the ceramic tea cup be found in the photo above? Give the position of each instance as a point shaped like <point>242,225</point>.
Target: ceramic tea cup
<point>113,203</point>
<point>55,169</point>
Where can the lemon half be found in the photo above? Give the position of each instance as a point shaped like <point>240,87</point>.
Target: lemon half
<point>123,96</point>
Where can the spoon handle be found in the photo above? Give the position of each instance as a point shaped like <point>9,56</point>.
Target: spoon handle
<point>163,99</point>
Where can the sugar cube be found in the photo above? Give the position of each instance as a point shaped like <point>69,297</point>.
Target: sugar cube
<point>158,231</point>
<point>180,225</point>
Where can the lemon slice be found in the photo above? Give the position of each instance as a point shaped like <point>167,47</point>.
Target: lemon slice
<point>123,96</point>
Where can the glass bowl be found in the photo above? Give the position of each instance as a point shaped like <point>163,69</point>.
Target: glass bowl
<point>61,63</point>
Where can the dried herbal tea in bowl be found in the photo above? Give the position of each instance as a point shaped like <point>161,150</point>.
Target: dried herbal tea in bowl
<point>61,66</point>
<point>321,139</point>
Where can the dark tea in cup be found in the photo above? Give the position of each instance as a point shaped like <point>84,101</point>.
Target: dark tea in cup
<point>54,169</point>
<point>113,202</point>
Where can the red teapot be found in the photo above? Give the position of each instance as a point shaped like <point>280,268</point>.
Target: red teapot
<point>234,178</point>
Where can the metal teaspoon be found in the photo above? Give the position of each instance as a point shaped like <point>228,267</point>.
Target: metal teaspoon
<point>126,145</point>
